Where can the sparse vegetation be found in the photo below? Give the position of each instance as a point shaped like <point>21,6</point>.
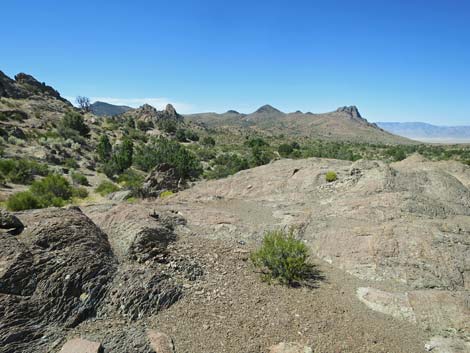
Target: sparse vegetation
<point>21,171</point>
<point>282,258</point>
<point>106,187</point>
<point>73,126</point>
<point>79,179</point>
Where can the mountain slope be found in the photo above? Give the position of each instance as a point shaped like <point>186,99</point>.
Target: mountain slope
<point>424,131</point>
<point>106,109</point>
<point>344,124</point>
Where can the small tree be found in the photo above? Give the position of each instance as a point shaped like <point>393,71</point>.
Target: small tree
<point>83,103</point>
<point>123,155</point>
<point>104,149</point>
<point>285,150</point>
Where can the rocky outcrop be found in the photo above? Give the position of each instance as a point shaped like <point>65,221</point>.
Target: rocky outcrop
<point>10,223</point>
<point>56,275</point>
<point>26,86</point>
<point>79,345</point>
<point>161,178</point>
<point>289,347</point>
<point>149,114</point>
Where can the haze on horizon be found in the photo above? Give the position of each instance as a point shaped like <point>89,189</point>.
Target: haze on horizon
<point>397,61</point>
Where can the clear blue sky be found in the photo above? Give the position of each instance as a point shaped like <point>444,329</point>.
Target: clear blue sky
<point>395,60</point>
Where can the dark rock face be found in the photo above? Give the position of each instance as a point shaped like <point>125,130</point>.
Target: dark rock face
<point>351,110</point>
<point>26,86</point>
<point>10,223</point>
<point>138,293</point>
<point>162,178</point>
<point>57,273</point>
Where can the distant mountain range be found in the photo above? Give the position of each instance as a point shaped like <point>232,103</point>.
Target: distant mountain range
<point>106,109</point>
<point>343,124</point>
<point>428,132</point>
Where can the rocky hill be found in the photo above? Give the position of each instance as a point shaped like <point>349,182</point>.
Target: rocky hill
<point>344,124</point>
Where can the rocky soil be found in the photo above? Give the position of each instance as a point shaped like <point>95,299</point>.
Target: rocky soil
<point>390,244</point>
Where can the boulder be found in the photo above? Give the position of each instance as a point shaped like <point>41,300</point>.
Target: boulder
<point>79,345</point>
<point>10,223</point>
<point>55,274</point>
<point>160,342</point>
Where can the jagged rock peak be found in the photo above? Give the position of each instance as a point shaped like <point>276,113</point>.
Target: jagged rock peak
<point>26,86</point>
<point>267,109</point>
<point>351,110</point>
<point>169,109</point>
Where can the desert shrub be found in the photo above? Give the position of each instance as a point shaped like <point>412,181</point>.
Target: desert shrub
<point>167,125</point>
<point>282,258</point>
<point>295,145</point>
<point>71,163</point>
<point>80,192</point>
<point>130,179</point>
<point>227,164</point>
<point>53,190</point>
<point>256,142</point>
<point>24,200</point>
<point>79,179</point>
<point>123,154</point>
<point>330,176</point>
<point>162,150</point>
<point>192,136</point>
<point>144,125</point>
<point>75,121</point>
<point>21,171</point>
<point>260,156</point>
<point>166,193</point>
<point>208,141</point>
<point>285,150</point>
<point>73,126</point>
<point>181,135</point>
<point>104,149</point>
<point>106,187</point>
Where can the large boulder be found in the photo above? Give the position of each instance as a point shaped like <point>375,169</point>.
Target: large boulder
<point>54,275</point>
<point>10,223</point>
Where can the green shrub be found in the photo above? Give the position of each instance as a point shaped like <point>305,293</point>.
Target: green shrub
<point>170,152</point>
<point>74,121</point>
<point>53,190</point>
<point>24,200</point>
<point>227,164</point>
<point>260,156</point>
<point>144,125</point>
<point>181,135</point>
<point>71,163</point>
<point>131,179</point>
<point>282,258</point>
<point>21,171</point>
<point>166,193</point>
<point>123,154</point>
<point>80,192</point>
<point>208,141</point>
<point>104,149</point>
<point>106,187</point>
<point>256,142</point>
<point>331,176</point>
<point>285,150</point>
<point>167,125</point>
<point>79,179</point>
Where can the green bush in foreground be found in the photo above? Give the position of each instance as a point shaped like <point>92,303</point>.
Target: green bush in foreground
<point>53,190</point>
<point>21,171</point>
<point>106,187</point>
<point>282,258</point>
<point>330,176</point>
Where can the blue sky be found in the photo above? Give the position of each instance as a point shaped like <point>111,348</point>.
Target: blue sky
<point>395,60</point>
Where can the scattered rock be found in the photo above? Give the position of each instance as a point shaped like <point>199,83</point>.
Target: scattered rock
<point>160,342</point>
<point>79,345</point>
<point>288,347</point>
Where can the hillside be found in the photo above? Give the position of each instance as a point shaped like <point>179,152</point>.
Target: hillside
<point>428,132</point>
<point>344,124</point>
<point>106,109</point>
